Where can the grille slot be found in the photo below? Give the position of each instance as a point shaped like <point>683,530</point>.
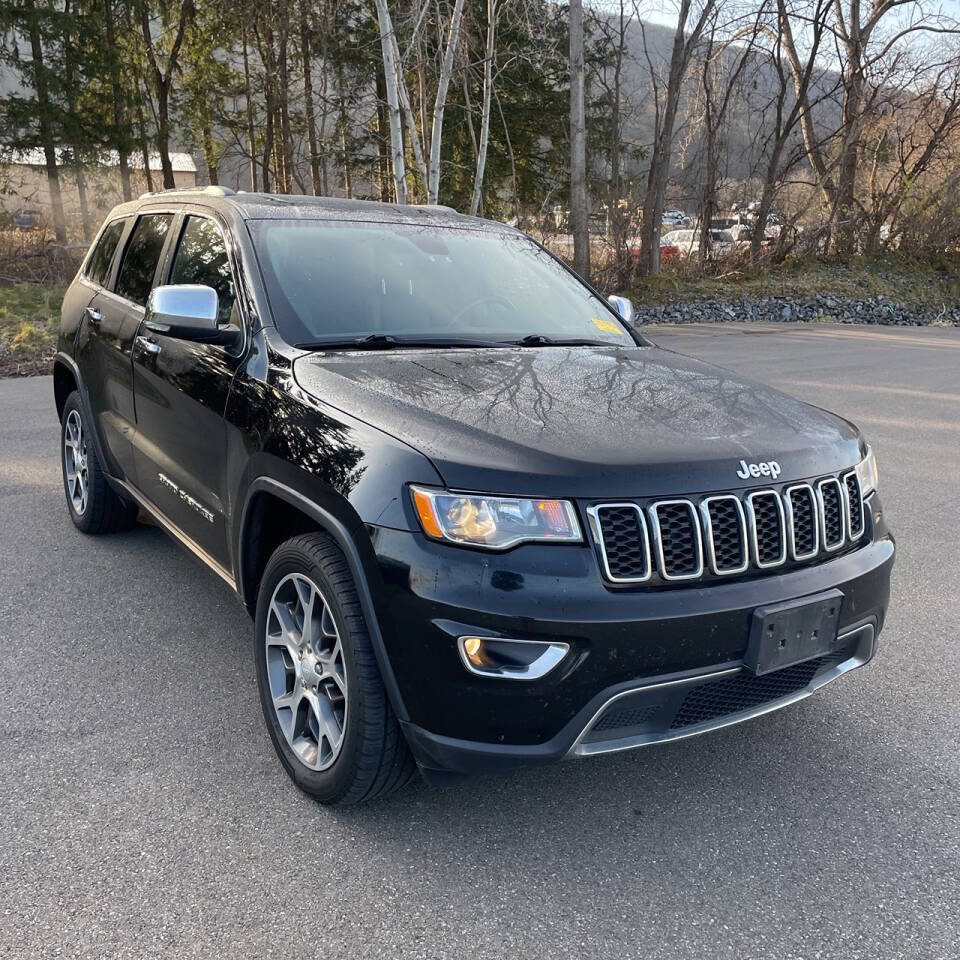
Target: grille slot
<point>621,532</point>
<point>832,532</point>
<point>767,528</point>
<point>802,523</point>
<point>726,534</point>
<point>743,692</point>
<point>855,514</point>
<point>620,717</point>
<point>676,531</point>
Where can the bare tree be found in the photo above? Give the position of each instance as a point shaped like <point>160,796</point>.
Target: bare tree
<point>489,51</point>
<point>388,48</point>
<point>685,41</point>
<point>866,35</point>
<point>309,116</point>
<point>911,135</point>
<point>778,119</point>
<point>579,215</point>
<point>443,84</point>
<point>610,77</point>
<point>728,48</point>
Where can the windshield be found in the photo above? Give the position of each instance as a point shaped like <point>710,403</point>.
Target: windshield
<point>336,281</point>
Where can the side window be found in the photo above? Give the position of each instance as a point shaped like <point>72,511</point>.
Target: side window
<point>98,267</point>
<point>142,254</point>
<point>202,258</point>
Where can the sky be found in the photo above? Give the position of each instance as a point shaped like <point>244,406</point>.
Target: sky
<point>665,12</point>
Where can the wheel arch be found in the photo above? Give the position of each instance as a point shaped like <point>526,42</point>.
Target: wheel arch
<point>65,381</point>
<point>285,512</point>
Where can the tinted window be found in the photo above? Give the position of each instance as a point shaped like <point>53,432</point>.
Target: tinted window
<point>330,280</point>
<point>98,269</point>
<point>202,258</point>
<point>141,257</point>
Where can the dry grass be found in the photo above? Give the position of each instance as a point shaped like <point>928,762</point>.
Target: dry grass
<point>29,317</point>
<point>32,256</point>
<point>896,276</point>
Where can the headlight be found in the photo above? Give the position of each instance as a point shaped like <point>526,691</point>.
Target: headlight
<point>494,522</point>
<point>867,473</point>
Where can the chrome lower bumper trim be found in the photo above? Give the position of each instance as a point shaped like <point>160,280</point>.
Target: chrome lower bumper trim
<point>864,636</point>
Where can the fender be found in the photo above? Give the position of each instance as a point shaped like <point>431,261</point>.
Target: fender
<point>66,360</point>
<point>341,535</point>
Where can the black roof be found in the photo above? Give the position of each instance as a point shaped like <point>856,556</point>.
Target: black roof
<point>273,206</point>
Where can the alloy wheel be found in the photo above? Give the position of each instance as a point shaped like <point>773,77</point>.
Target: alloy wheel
<point>306,671</point>
<point>75,462</point>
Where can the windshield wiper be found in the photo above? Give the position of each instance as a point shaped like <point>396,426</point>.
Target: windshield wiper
<point>386,341</point>
<point>541,340</point>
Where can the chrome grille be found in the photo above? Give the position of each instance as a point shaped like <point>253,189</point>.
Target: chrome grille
<point>725,529</point>
<point>727,534</point>
<point>767,528</point>
<point>851,488</point>
<point>621,531</point>
<point>802,526</point>
<point>832,527</point>
<point>676,533</point>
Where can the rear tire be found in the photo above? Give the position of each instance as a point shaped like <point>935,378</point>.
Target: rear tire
<point>93,504</point>
<point>323,700</point>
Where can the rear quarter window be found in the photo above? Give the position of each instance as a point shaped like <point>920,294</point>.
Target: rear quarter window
<point>98,266</point>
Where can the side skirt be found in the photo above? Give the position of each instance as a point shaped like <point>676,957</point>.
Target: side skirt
<point>174,531</point>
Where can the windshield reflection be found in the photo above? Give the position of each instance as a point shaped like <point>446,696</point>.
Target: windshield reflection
<point>334,281</point>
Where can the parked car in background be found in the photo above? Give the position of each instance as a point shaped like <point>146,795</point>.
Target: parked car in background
<point>683,244</point>
<point>27,219</point>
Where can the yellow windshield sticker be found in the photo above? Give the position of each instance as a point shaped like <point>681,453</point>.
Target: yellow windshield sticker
<point>607,326</point>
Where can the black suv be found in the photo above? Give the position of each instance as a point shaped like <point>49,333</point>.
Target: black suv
<point>479,521</point>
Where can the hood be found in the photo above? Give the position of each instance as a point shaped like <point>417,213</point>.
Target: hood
<point>580,421</point>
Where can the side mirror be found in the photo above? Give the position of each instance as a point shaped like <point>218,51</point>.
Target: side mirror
<point>187,311</point>
<point>623,307</point>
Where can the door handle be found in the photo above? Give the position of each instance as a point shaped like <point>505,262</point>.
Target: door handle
<point>93,314</point>
<point>151,346</point>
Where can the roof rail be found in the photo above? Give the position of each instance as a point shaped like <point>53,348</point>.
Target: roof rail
<point>210,191</point>
<point>433,206</point>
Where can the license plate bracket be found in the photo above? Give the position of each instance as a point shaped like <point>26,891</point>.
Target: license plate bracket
<point>782,634</point>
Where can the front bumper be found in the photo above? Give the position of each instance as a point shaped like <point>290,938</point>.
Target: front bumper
<point>653,711</point>
<point>639,660</point>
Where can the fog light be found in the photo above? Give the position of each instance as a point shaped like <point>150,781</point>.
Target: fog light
<point>472,647</point>
<point>511,659</point>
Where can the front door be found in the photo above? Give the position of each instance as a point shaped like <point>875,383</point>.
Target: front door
<point>181,391</point>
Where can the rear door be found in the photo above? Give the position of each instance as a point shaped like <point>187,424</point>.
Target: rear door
<point>181,396</point>
<point>95,273</point>
<point>103,350</point>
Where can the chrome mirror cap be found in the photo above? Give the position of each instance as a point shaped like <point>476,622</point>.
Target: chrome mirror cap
<point>623,307</point>
<point>185,307</point>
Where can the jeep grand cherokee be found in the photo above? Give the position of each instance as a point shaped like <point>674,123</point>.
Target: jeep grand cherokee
<point>478,520</point>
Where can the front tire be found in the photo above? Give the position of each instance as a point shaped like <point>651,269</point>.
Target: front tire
<point>320,688</point>
<point>94,506</point>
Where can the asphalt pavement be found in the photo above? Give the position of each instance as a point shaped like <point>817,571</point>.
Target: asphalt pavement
<point>143,814</point>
